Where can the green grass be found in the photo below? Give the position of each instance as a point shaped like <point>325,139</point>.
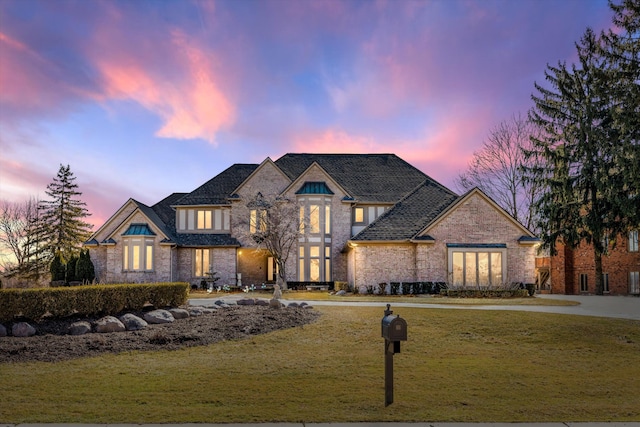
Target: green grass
<point>418,299</point>
<point>457,365</point>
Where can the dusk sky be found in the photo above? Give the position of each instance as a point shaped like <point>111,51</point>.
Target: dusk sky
<point>145,98</point>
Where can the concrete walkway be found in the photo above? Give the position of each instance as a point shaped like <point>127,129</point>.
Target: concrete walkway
<point>623,307</point>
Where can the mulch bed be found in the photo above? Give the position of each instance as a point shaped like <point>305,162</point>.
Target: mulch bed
<point>52,343</point>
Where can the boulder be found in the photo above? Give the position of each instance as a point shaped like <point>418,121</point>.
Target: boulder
<point>196,311</point>
<point>133,322</point>
<point>341,292</point>
<point>109,324</point>
<point>293,305</point>
<point>79,328</point>
<point>274,303</point>
<point>247,301</point>
<point>3,331</point>
<point>262,302</point>
<point>22,329</point>
<point>179,313</point>
<point>159,316</point>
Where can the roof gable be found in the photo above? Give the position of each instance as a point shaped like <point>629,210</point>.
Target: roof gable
<point>410,215</point>
<point>476,192</point>
<point>262,167</point>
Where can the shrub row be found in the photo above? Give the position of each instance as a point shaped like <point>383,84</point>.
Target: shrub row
<point>33,304</point>
<point>407,288</point>
<point>486,293</point>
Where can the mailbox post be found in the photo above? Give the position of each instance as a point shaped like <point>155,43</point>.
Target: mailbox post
<point>394,330</point>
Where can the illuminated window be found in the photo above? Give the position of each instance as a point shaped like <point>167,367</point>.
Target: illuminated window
<point>202,262</point>
<point>258,221</point>
<point>476,267</point>
<point>137,254</point>
<point>358,215</point>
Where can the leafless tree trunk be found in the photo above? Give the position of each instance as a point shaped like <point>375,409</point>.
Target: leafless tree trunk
<point>274,224</point>
<point>497,170</point>
<point>17,224</point>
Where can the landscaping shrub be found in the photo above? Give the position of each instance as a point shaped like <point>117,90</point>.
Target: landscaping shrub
<point>34,304</point>
<point>486,293</point>
<point>395,288</point>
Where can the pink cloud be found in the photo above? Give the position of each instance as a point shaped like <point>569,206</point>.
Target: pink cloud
<point>190,102</point>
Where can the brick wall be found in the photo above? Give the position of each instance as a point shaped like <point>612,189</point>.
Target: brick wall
<point>474,222</point>
<point>568,264</point>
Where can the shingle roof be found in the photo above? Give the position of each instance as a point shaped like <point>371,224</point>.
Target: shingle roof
<point>218,189</point>
<point>382,178</point>
<point>206,240</point>
<point>410,215</point>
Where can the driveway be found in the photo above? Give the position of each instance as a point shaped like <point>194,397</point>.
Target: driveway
<point>622,307</point>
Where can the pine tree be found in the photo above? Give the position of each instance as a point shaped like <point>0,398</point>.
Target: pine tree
<point>61,226</point>
<point>589,196</point>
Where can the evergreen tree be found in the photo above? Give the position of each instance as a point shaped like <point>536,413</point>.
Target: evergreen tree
<point>622,52</point>
<point>70,269</point>
<point>57,268</point>
<point>85,270</point>
<point>590,194</point>
<point>61,226</point>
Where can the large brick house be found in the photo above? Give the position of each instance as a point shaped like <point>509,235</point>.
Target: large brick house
<point>572,271</point>
<point>376,219</point>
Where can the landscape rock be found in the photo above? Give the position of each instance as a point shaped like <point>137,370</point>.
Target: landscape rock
<point>79,328</point>
<point>293,305</point>
<point>133,322</point>
<point>196,311</point>
<point>109,324</point>
<point>274,303</point>
<point>179,313</point>
<point>341,292</point>
<point>159,316</point>
<point>262,302</point>
<point>3,331</point>
<point>247,301</point>
<point>23,329</point>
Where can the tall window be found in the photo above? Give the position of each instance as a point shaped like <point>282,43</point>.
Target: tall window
<point>314,247</point>
<point>258,221</point>
<point>137,254</point>
<point>584,282</point>
<point>633,241</point>
<point>201,262</point>
<point>605,282</point>
<point>476,267</point>
<point>634,282</point>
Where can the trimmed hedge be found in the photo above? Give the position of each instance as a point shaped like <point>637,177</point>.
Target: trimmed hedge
<point>33,304</point>
<point>485,293</point>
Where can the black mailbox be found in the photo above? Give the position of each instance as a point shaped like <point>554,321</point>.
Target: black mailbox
<point>394,328</point>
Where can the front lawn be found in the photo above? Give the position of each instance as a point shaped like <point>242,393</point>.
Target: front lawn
<point>458,365</point>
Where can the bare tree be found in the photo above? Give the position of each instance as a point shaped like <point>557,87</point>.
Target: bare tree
<point>274,224</point>
<point>497,169</point>
<point>18,221</point>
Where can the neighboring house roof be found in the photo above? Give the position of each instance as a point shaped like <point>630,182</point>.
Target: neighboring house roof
<point>410,215</point>
<point>218,189</point>
<point>373,178</point>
